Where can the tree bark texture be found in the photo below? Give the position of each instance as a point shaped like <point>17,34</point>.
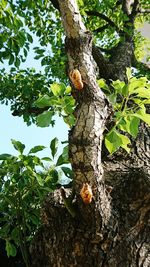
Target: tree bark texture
<point>113,230</point>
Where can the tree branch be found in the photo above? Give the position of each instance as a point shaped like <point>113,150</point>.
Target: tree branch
<point>135,8</point>
<point>144,11</point>
<point>104,17</point>
<point>55,4</point>
<point>142,67</point>
<point>102,28</point>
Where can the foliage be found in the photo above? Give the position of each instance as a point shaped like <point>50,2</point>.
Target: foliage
<point>24,20</point>
<point>20,89</point>
<point>62,102</point>
<point>25,181</point>
<point>129,102</point>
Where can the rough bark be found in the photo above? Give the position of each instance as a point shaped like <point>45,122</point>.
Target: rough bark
<point>113,230</point>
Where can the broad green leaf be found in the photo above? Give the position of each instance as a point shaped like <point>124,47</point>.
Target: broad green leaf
<point>34,219</point>
<point>11,59</point>
<point>102,84</point>
<point>11,249</point>
<point>134,126</point>
<point>36,149</point>
<point>5,156</point>
<point>118,85</point>
<point>63,158</point>
<point>17,62</point>
<point>125,90</point>
<point>68,90</point>
<point>15,235</point>
<point>18,145</point>
<point>68,172</point>
<point>58,89</point>
<point>143,116</point>
<point>135,84</point>
<point>112,98</point>
<point>125,142</point>
<point>4,3</point>
<point>142,92</point>
<point>30,39</point>
<point>112,141</point>
<point>39,179</point>
<point>55,176</point>
<point>44,119</point>
<point>130,125</point>
<point>54,146</point>
<point>42,102</point>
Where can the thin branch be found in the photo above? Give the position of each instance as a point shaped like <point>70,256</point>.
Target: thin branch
<point>105,50</point>
<point>130,8</point>
<point>141,65</point>
<point>144,11</point>
<point>104,17</point>
<point>100,29</point>
<point>55,4</point>
<point>135,9</point>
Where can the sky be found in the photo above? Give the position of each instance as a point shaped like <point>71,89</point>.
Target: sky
<point>15,128</point>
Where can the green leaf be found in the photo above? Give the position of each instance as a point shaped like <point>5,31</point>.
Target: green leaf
<point>118,85</point>
<point>68,172</point>
<point>112,98</point>
<point>136,84</point>
<point>54,146</point>
<point>39,179</point>
<point>143,116</point>
<point>58,89</point>
<point>47,159</point>
<point>5,156</point>
<point>142,92</point>
<point>15,235</point>
<point>44,119</point>
<point>34,219</point>
<point>18,145</point>
<point>102,84</point>
<point>42,102</point>
<point>130,125</point>
<point>30,39</point>
<point>11,59</point>
<point>11,249</point>
<point>36,149</point>
<point>134,126</point>
<point>114,140</point>
<point>125,142</point>
<point>68,90</point>
<point>55,176</point>
<point>4,3</point>
<point>17,62</point>
<point>63,158</point>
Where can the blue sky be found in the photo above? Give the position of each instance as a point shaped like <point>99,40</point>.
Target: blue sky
<point>15,128</point>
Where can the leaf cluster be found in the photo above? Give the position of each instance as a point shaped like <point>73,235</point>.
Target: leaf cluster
<point>129,102</point>
<point>21,89</point>
<point>25,181</point>
<point>62,102</point>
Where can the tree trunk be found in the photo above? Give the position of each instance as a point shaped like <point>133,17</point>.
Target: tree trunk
<point>112,229</point>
